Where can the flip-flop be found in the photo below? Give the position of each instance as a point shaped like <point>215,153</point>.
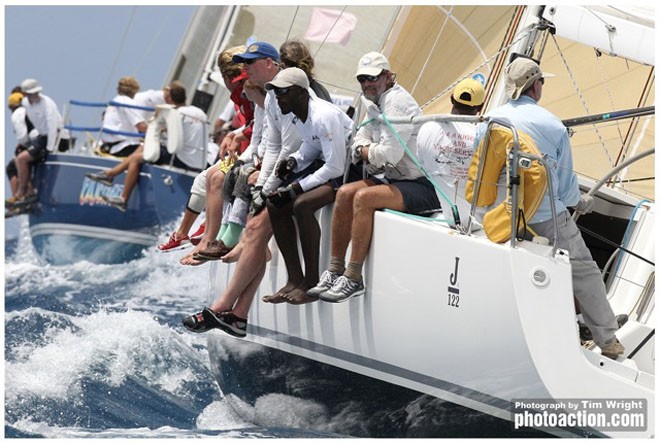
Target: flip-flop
<point>203,321</point>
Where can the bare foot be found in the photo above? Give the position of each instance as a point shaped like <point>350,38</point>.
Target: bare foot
<point>298,296</point>
<point>233,255</point>
<point>188,260</point>
<point>279,296</point>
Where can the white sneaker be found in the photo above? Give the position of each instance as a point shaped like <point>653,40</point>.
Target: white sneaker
<point>343,289</point>
<point>325,283</point>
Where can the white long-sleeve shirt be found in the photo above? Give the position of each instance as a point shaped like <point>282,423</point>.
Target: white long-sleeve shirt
<point>283,139</point>
<point>20,126</point>
<point>385,150</point>
<point>324,135</point>
<point>257,144</point>
<point>45,117</point>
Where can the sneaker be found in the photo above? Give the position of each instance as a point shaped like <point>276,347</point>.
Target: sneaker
<point>585,333</point>
<point>325,283</point>
<point>612,349</point>
<point>343,289</point>
<point>174,243</point>
<point>115,202</point>
<point>231,324</point>
<point>100,177</point>
<point>198,235</point>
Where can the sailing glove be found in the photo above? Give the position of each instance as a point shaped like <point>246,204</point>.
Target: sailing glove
<point>283,195</point>
<point>258,202</point>
<point>285,167</point>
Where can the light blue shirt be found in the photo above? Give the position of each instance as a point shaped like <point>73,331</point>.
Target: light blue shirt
<point>551,138</point>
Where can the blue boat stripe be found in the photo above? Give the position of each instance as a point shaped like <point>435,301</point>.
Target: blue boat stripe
<point>383,367</point>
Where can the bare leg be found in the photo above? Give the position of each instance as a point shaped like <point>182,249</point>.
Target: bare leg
<point>132,174</point>
<point>214,201</point>
<point>365,203</point>
<point>188,220</point>
<point>342,218</point>
<point>253,261</point>
<point>23,161</point>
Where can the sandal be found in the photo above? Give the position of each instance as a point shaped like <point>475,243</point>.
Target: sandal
<point>203,321</point>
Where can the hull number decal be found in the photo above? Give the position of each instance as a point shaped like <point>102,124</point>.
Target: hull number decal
<point>452,290</point>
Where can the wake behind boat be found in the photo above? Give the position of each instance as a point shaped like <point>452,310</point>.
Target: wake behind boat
<point>456,335</point>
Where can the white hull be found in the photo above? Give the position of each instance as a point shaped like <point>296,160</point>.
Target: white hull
<point>512,335</point>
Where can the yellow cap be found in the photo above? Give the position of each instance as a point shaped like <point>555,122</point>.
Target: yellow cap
<point>470,92</point>
<point>15,99</point>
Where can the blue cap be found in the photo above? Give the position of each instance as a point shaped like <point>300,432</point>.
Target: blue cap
<point>257,50</point>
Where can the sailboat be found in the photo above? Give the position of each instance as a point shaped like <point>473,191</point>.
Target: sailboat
<point>456,334</point>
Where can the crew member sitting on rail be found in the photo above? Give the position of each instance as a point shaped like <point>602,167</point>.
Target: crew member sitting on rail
<point>402,188</point>
<point>22,127</point>
<point>47,120</point>
<point>445,148</point>
<point>190,156</point>
<point>124,120</point>
<point>325,131</point>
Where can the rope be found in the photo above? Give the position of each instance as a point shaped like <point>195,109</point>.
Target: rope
<point>124,105</point>
<point>88,104</point>
<point>295,14</point>
<point>584,103</point>
<point>331,28</point>
<point>454,209</point>
<point>477,69</point>
<point>121,46</point>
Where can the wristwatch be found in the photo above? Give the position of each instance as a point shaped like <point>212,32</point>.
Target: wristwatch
<point>358,151</point>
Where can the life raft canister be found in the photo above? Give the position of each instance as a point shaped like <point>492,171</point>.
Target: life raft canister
<point>532,188</point>
<point>166,118</point>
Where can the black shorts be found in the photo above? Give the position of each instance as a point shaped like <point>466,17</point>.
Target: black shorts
<point>126,151</point>
<point>38,151</point>
<point>419,196</point>
<point>165,157</point>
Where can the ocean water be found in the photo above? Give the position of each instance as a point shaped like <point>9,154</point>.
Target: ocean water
<point>98,351</point>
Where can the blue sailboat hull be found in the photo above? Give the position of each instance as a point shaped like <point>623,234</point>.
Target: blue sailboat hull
<point>71,221</point>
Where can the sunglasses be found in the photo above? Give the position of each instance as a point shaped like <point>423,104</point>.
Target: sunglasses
<point>542,80</point>
<point>281,91</point>
<point>371,78</point>
<point>249,61</point>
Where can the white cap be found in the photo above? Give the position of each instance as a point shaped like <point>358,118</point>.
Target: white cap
<point>30,86</point>
<point>289,77</point>
<point>372,63</point>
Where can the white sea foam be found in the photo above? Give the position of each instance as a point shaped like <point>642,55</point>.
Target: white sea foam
<point>104,346</point>
<point>220,415</point>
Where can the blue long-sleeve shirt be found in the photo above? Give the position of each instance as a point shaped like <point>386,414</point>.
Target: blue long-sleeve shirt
<point>551,138</point>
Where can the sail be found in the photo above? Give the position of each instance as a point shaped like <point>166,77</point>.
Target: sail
<point>433,47</point>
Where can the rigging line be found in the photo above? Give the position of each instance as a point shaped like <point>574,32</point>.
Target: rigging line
<point>642,99</point>
<point>430,53</point>
<point>582,99</point>
<point>491,81</point>
<point>609,92</point>
<point>611,243</point>
<point>121,46</point>
<point>151,45</point>
<point>330,31</point>
<point>293,20</point>
<point>453,85</point>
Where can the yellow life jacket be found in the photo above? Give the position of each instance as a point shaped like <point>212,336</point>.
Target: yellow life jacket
<point>532,188</point>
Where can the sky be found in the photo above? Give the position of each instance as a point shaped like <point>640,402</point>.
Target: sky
<point>80,52</point>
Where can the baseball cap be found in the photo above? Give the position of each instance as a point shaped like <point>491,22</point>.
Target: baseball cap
<point>257,50</point>
<point>242,76</point>
<point>520,74</point>
<point>30,86</point>
<point>289,77</point>
<point>15,99</point>
<point>372,63</point>
<point>469,92</point>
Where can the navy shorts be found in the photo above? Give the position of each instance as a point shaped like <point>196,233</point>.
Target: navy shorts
<point>419,196</point>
